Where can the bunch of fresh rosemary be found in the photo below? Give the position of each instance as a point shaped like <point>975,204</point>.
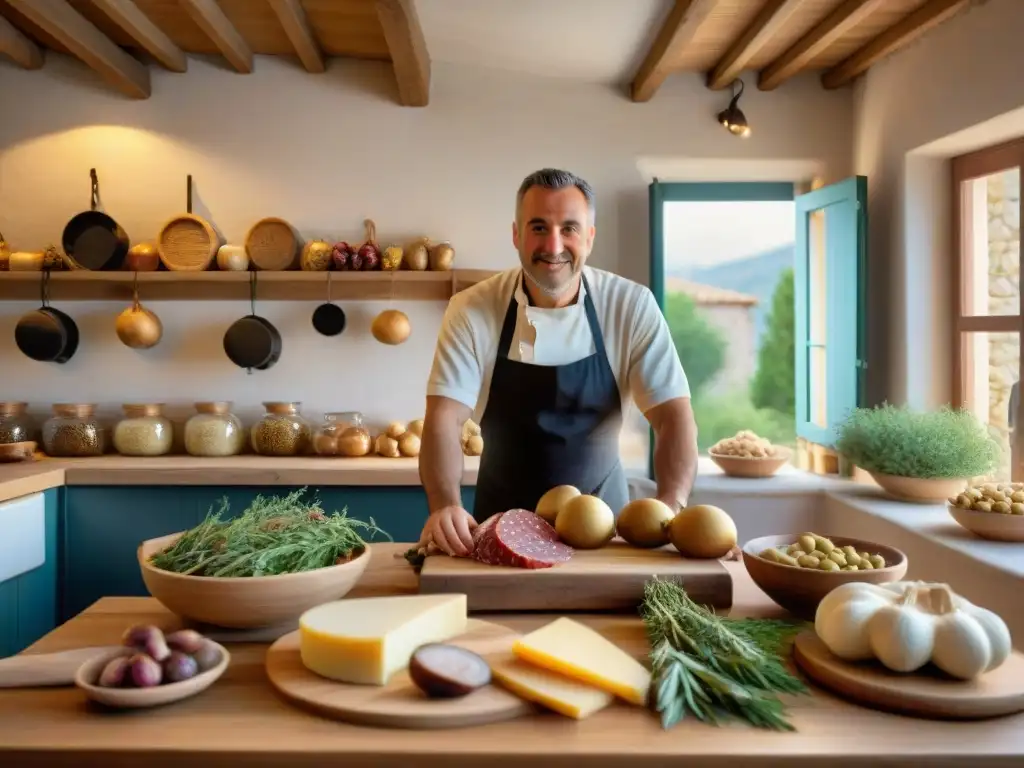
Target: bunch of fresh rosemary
<point>712,667</point>
<point>275,535</point>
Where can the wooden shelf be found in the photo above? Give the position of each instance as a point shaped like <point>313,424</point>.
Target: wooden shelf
<point>83,285</point>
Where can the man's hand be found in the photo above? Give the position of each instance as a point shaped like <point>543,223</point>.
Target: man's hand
<point>450,529</point>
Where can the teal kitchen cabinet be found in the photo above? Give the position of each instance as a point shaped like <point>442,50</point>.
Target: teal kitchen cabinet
<point>28,600</point>
<point>104,526</point>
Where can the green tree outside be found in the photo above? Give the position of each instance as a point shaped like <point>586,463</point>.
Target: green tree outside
<point>700,345</point>
<point>774,383</point>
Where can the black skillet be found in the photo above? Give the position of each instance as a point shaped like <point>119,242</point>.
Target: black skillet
<point>328,318</point>
<point>252,342</point>
<point>92,239</point>
<point>47,334</point>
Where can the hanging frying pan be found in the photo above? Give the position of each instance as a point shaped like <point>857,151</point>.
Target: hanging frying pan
<point>328,318</point>
<point>46,334</point>
<point>92,239</point>
<point>252,342</point>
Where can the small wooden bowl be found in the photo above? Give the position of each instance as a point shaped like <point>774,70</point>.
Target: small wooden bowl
<point>919,490</point>
<point>746,466</point>
<point>24,451</point>
<point>994,526</point>
<point>139,698</point>
<point>246,602</point>
<point>799,590</point>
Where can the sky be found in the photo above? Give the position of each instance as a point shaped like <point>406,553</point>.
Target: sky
<point>702,234</point>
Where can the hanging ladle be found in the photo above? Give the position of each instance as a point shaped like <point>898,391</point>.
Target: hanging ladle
<point>329,319</point>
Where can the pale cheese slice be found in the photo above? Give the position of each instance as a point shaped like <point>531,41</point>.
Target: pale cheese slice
<point>557,692</point>
<point>575,650</point>
<point>366,640</point>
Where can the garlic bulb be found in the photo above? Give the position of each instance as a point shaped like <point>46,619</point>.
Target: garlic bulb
<point>907,624</point>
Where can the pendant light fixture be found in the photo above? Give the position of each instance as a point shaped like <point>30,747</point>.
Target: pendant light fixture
<point>732,117</point>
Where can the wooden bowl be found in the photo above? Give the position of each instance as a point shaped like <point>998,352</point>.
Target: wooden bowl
<point>994,526</point>
<point>746,466</point>
<point>919,490</point>
<point>799,590</point>
<point>138,698</point>
<point>246,602</point>
<point>24,451</point>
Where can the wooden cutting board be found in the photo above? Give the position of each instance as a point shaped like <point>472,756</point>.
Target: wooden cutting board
<point>924,693</point>
<point>608,579</point>
<point>399,704</point>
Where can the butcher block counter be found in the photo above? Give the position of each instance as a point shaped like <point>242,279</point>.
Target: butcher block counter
<point>241,721</point>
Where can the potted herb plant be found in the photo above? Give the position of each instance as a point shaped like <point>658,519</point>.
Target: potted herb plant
<point>918,456</point>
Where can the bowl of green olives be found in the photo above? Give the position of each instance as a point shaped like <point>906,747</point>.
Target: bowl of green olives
<point>797,570</point>
<point>151,668</point>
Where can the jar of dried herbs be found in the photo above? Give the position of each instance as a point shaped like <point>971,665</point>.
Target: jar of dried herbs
<point>214,431</point>
<point>144,431</point>
<point>282,431</point>
<point>73,431</point>
<point>15,425</point>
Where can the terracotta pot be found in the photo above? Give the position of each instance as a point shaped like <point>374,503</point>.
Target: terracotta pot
<point>919,490</point>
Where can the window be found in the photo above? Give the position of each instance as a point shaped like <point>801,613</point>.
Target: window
<point>763,291</point>
<point>986,293</point>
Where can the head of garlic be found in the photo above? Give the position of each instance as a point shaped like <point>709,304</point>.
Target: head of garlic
<point>907,624</point>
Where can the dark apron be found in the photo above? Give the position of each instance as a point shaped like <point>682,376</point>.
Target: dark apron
<point>550,425</point>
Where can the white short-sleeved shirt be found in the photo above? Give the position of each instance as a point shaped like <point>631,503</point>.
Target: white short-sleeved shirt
<point>637,339</point>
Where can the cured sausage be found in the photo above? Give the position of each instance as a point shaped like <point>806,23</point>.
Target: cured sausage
<point>526,540</point>
<point>485,542</point>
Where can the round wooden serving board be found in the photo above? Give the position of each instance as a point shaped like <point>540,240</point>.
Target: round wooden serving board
<point>926,693</point>
<point>399,704</point>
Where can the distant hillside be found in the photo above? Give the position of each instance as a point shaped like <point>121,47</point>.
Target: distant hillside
<point>754,275</point>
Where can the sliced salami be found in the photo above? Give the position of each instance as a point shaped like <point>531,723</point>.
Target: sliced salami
<point>485,542</point>
<point>529,541</point>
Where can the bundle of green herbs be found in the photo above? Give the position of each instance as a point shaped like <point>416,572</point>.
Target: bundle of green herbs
<point>896,440</point>
<point>716,668</point>
<point>273,536</point>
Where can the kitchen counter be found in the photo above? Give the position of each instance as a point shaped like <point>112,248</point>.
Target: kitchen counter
<point>29,477</point>
<point>241,721</point>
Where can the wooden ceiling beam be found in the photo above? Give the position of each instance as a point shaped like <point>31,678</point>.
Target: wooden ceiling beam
<point>679,29</point>
<point>769,20</point>
<point>138,26</point>
<point>58,19</point>
<point>408,47</point>
<point>218,27</point>
<point>905,31</point>
<point>19,48</point>
<point>293,20</point>
<point>844,18</point>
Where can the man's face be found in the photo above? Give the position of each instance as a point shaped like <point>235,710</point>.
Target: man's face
<point>554,236</point>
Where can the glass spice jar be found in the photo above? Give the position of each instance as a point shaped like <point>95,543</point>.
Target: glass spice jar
<point>144,431</point>
<point>214,431</point>
<point>342,434</point>
<point>15,425</point>
<point>73,431</point>
<point>282,431</point>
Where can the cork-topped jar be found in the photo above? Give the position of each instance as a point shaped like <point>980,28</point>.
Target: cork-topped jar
<point>342,434</point>
<point>214,431</point>
<point>15,424</point>
<point>282,431</point>
<point>73,431</point>
<point>144,431</point>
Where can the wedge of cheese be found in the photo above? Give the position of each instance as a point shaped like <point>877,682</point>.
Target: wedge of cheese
<point>366,640</point>
<point>575,650</point>
<point>549,689</point>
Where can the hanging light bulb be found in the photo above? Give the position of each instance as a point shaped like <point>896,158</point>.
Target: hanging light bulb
<point>732,117</point>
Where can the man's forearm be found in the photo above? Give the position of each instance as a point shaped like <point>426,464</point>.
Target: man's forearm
<point>441,461</point>
<point>675,454</point>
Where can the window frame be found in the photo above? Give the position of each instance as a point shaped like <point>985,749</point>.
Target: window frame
<point>965,168</point>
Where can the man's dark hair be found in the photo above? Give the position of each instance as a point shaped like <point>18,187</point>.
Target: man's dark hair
<point>553,178</point>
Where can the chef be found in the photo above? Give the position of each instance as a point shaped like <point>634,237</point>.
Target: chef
<point>549,354</point>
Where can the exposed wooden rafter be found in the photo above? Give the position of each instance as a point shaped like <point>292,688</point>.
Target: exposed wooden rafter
<point>138,26</point>
<point>844,18</point>
<point>768,22</point>
<point>929,15</point>
<point>58,19</point>
<point>679,29</point>
<point>211,19</point>
<point>408,47</point>
<point>293,20</point>
<point>19,48</point>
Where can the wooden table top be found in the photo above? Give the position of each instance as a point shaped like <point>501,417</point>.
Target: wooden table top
<point>241,721</point>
